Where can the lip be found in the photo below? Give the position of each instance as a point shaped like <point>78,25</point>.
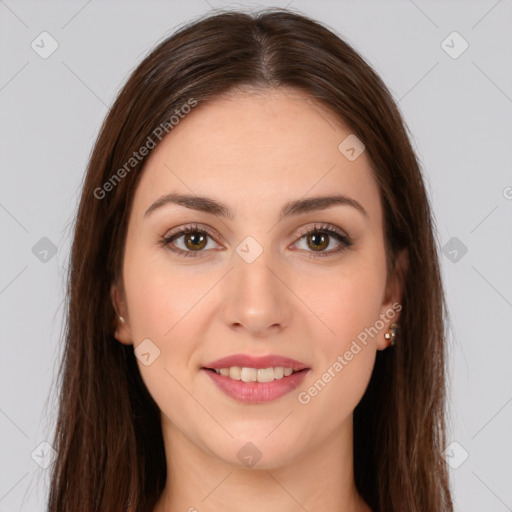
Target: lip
<point>247,361</point>
<point>256,392</point>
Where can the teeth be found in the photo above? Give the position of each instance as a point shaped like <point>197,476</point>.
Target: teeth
<point>234,372</point>
<point>249,374</point>
<point>255,374</point>
<point>265,375</point>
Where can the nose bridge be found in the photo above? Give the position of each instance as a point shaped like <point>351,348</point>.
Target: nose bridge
<point>256,299</point>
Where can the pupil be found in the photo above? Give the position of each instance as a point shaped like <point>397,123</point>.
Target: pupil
<point>318,240</point>
<point>194,240</point>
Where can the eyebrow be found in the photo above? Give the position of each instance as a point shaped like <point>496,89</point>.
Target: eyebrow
<point>213,207</point>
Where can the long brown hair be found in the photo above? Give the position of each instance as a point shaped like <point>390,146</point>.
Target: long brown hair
<point>110,452</point>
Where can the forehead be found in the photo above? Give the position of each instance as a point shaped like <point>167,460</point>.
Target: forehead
<point>256,150</point>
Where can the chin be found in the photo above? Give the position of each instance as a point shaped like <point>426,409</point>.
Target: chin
<point>259,451</point>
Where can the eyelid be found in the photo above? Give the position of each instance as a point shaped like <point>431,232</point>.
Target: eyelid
<point>190,227</point>
<point>323,226</point>
<point>344,240</point>
<point>214,235</point>
<point>332,230</point>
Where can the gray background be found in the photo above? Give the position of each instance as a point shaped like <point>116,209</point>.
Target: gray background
<point>459,111</point>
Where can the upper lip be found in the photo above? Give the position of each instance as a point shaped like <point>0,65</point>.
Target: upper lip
<point>247,361</point>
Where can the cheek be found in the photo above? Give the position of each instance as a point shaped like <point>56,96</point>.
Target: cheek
<point>348,303</point>
<point>164,304</point>
<point>162,298</point>
<point>345,356</point>
<point>347,300</point>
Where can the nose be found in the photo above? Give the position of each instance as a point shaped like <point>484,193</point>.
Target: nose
<point>256,298</point>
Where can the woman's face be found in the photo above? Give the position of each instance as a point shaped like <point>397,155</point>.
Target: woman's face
<point>254,282</point>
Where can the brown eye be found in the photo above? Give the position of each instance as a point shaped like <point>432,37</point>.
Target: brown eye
<point>195,241</point>
<point>188,241</point>
<point>318,241</point>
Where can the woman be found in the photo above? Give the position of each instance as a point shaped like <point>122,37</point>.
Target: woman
<point>255,314</point>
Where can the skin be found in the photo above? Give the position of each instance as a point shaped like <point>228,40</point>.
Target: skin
<point>254,151</point>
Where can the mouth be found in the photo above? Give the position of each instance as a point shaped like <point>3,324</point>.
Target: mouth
<point>254,380</point>
<point>247,374</point>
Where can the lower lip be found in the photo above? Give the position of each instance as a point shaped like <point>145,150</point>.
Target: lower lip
<point>257,392</point>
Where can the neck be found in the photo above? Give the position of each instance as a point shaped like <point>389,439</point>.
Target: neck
<point>321,478</point>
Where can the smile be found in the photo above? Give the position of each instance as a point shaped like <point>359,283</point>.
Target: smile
<point>255,379</point>
<point>255,374</point>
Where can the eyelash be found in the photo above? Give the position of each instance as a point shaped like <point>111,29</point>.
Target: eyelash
<point>328,229</point>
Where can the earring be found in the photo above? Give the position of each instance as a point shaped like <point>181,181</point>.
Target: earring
<point>392,333</point>
<point>121,318</point>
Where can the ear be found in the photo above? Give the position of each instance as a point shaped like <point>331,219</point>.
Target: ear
<point>122,331</point>
<point>392,302</point>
